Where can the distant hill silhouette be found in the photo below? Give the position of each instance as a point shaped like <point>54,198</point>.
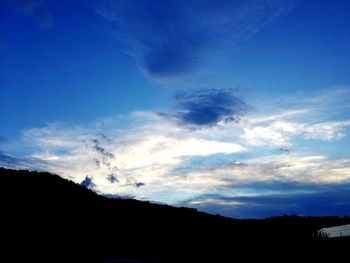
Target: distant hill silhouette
<point>48,219</point>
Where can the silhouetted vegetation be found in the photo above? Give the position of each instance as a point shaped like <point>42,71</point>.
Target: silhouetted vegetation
<point>45,217</point>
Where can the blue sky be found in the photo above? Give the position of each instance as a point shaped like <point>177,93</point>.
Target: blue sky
<point>232,107</point>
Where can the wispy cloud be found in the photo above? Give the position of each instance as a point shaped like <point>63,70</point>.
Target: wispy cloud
<point>29,163</point>
<point>279,130</point>
<point>214,201</point>
<point>318,201</point>
<point>171,38</point>
<point>323,116</point>
<point>334,97</point>
<point>299,168</point>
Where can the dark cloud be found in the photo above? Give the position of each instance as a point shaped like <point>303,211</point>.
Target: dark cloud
<point>112,178</point>
<point>97,162</point>
<point>119,196</point>
<point>171,37</point>
<point>139,184</point>
<point>315,200</point>
<point>281,150</point>
<point>105,157</point>
<point>105,138</point>
<point>98,148</point>
<point>208,107</point>
<point>88,182</point>
<point>133,182</point>
<point>158,34</point>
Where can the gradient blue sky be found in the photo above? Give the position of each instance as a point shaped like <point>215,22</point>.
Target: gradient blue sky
<point>233,107</point>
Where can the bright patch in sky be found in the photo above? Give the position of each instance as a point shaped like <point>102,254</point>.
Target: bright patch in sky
<point>232,107</point>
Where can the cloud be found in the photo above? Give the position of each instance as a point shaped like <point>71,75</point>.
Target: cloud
<point>28,163</point>
<point>171,38</point>
<point>9,161</point>
<point>298,168</point>
<point>325,100</point>
<point>322,115</point>
<point>112,178</point>
<point>208,107</point>
<point>213,201</point>
<point>328,200</point>
<point>133,182</point>
<point>153,156</point>
<point>280,129</point>
<point>99,149</point>
<point>123,158</point>
<point>281,150</point>
<point>139,184</point>
<point>88,182</point>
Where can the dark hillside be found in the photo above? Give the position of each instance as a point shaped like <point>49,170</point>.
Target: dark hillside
<point>47,218</point>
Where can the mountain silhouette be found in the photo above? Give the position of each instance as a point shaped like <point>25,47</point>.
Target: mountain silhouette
<point>45,218</point>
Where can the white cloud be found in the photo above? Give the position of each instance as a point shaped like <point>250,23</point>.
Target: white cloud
<point>145,147</point>
<point>151,148</point>
<point>297,168</point>
<point>326,130</point>
<point>146,152</point>
<point>282,128</point>
<point>213,201</point>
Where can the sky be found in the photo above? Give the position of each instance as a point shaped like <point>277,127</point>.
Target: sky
<point>233,107</point>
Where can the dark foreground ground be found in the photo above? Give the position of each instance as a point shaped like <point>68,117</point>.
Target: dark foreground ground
<point>45,218</point>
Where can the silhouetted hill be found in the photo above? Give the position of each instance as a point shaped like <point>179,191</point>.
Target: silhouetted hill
<point>47,218</point>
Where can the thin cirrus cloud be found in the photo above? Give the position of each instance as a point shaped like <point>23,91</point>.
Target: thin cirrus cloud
<point>171,38</point>
<point>27,162</point>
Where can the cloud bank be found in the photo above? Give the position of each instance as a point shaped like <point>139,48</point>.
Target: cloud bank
<point>151,156</point>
